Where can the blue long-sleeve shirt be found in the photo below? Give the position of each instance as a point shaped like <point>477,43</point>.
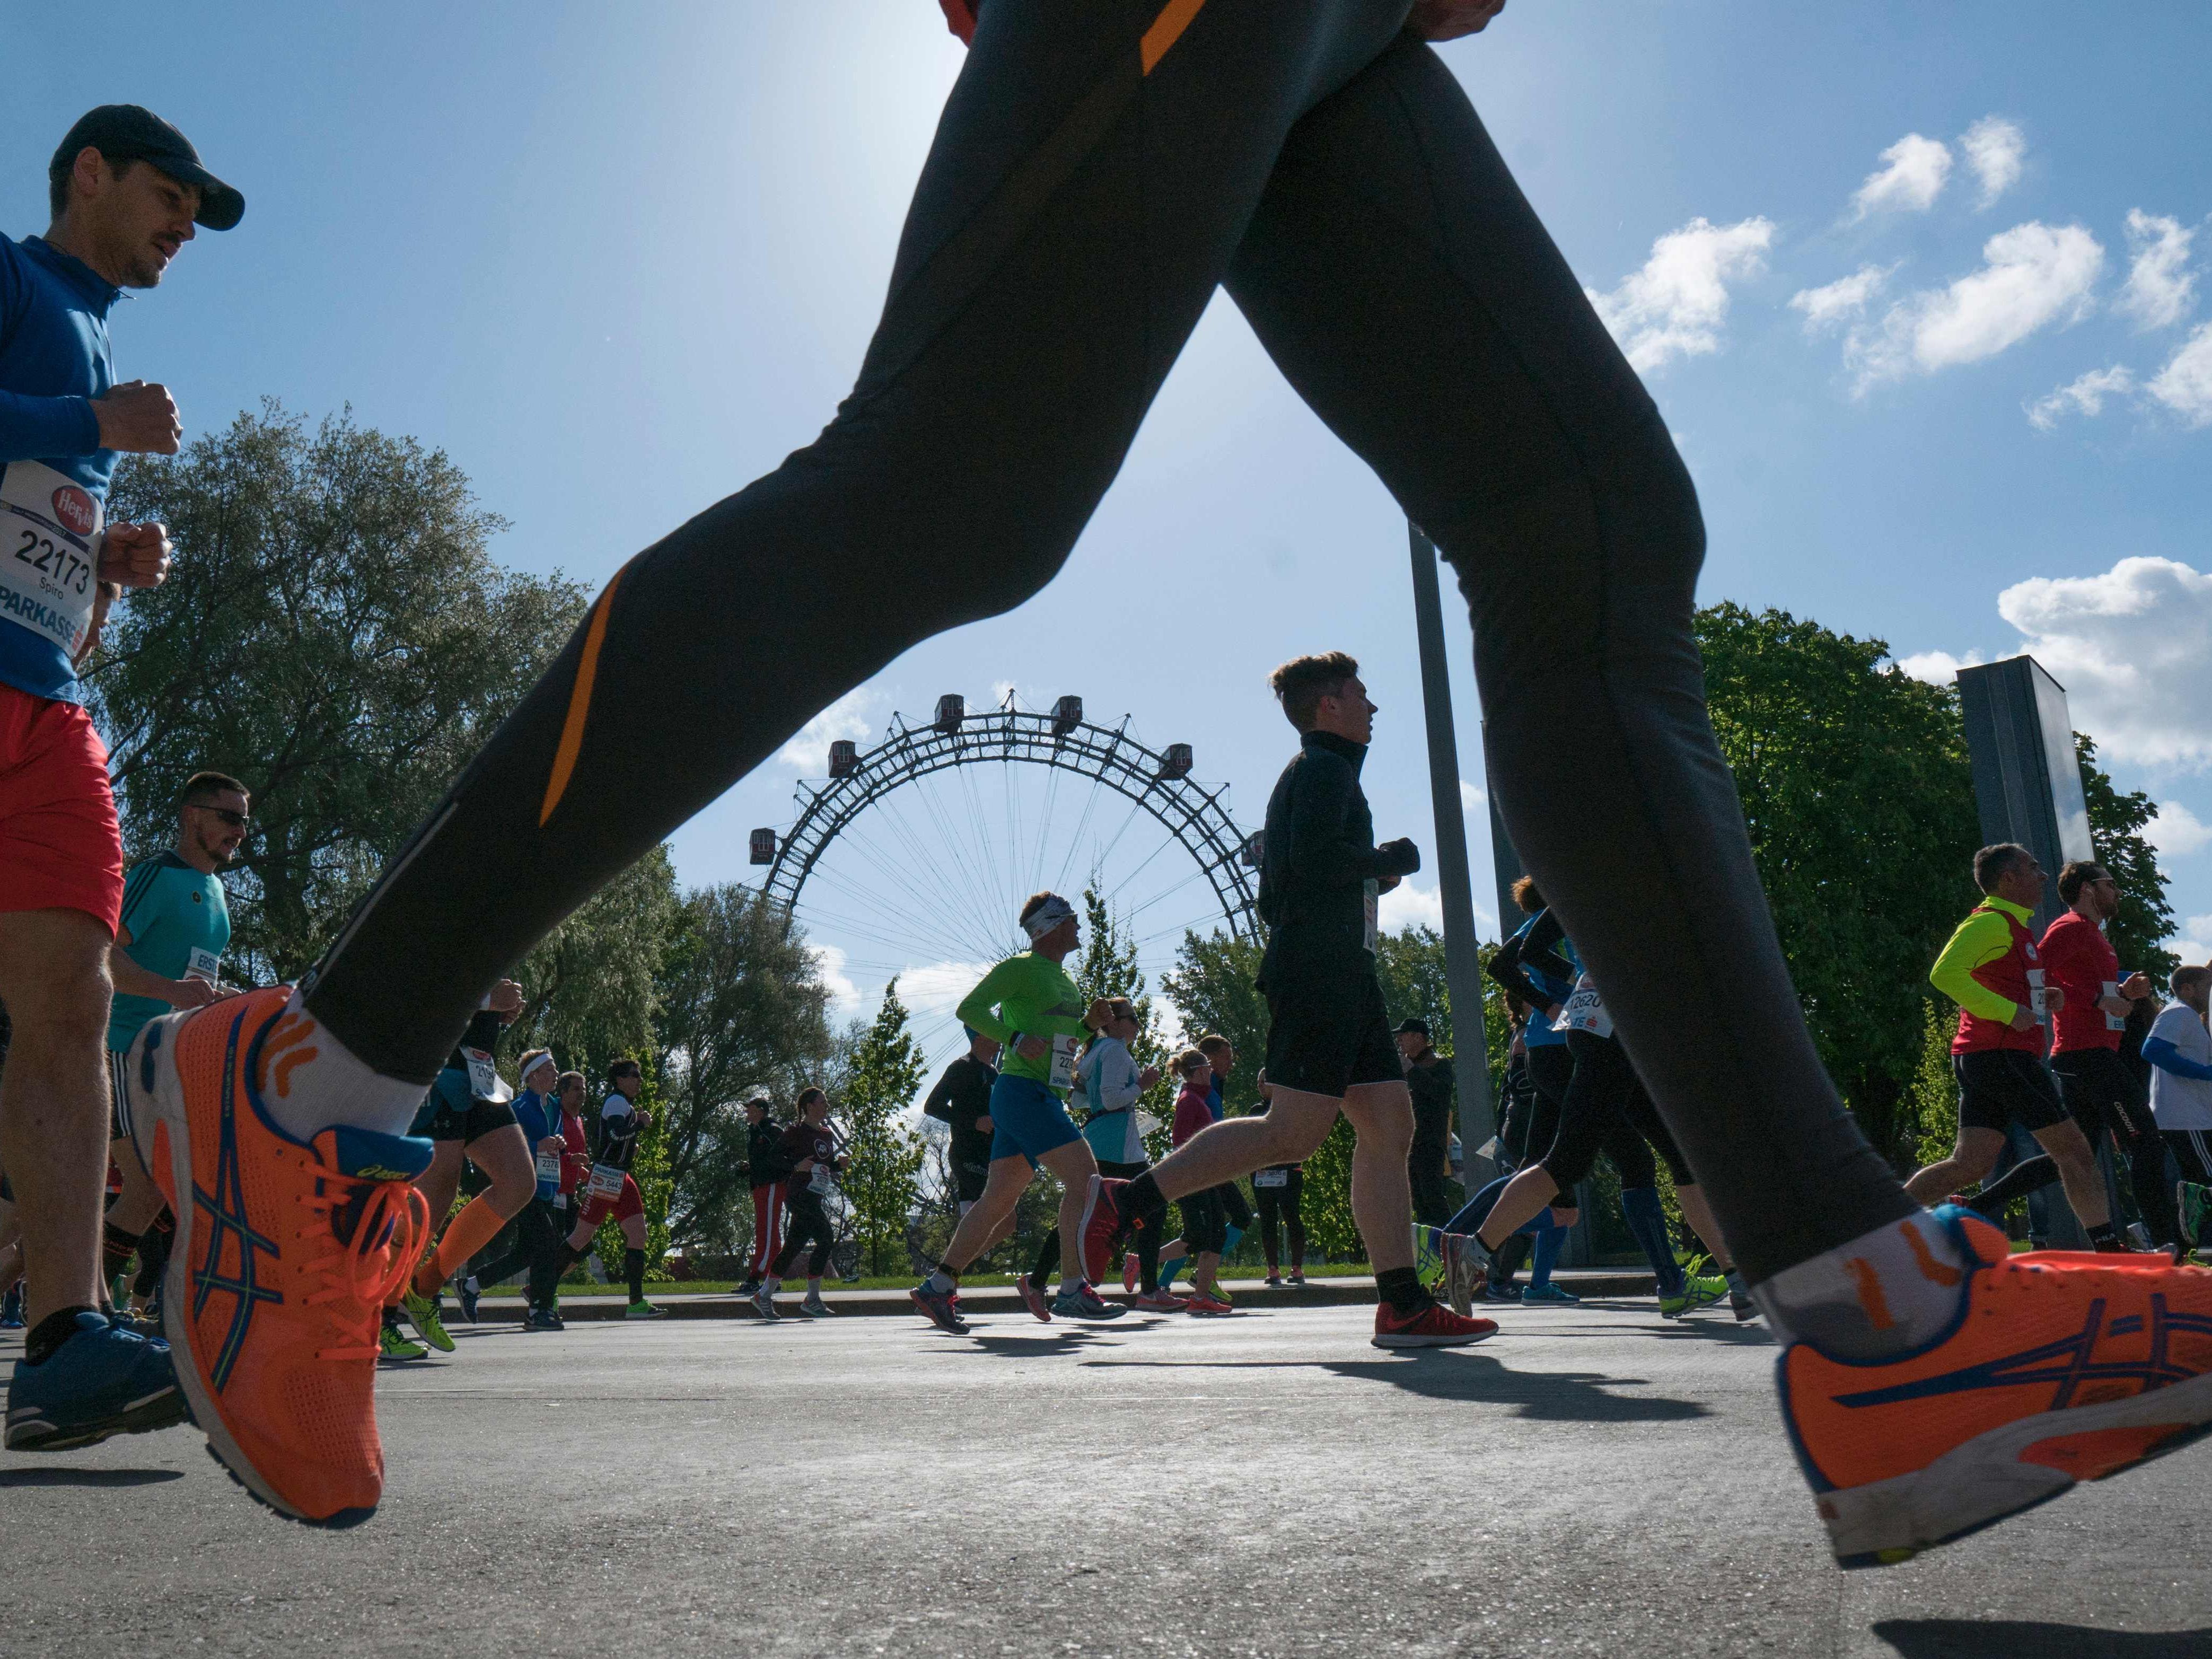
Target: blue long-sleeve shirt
<point>2168,1058</point>
<point>54,360</point>
<point>539,1118</point>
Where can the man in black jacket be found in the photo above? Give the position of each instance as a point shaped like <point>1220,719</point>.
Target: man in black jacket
<point>767,1165</point>
<point>1429,1080</point>
<point>962,1101</point>
<point>1329,1044</point>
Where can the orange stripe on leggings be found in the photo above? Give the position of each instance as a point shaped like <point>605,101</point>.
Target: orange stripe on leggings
<point>579,703</point>
<point>1167,28</point>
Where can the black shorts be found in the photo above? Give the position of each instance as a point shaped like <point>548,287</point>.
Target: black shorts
<point>1327,1035</point>
<point>1204,1227</point>
<point>440,1122</point>
<point>2102,1093</point>
<point>970,1158</point>
<point>1999,1087</point>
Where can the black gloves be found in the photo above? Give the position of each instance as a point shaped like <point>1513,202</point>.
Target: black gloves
<point>1399,858</point>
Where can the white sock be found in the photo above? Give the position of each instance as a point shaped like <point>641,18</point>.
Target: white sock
<point>771,1285</point>
<point>309,1080</point>
<point>1070,1284</point>
<point>1885,1292</point>
<point>814,1287</point>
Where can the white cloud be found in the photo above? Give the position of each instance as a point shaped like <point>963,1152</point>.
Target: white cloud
<point>1410,905</point>
<point>933,992</point>
<point>1472,801</point>
<point>845,999</point>
<point>1835,303</point>
<point>1911,176</point>
<point>809,750</point>
<point>2161,287</point>
<point>2193,942</point>
<point>2032,275</point>
<point>2085,395</point>
<point>1995,149</point>
<point>2185,384</point>
<point>2173,829</point>
<point>1936,667</point>
<point>2133,648</point>
<point>1675,305</point>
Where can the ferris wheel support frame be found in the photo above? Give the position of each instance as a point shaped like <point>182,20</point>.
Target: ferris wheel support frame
<point>1154,781</point>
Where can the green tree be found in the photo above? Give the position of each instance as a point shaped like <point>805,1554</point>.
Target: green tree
<point>589,987</point>
<point>1212,988</point>
<point>1856,787</point>
<point>2116,827</point>
<point>1410,966</point>
<point>741,1011</point>
<point>881,1183</point>
<point>1107,968</point>
<point>336,633</point>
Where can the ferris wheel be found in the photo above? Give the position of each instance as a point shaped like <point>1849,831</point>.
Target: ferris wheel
<point>912,857</point>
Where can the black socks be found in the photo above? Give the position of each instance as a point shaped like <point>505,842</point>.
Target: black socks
<point>1141,1201</point>
<point>50,1333</point>
<point>1401,1288</point>
<point>633,1265</point>
<point>117,1247</point>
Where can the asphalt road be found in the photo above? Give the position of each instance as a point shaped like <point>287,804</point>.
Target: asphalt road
<point>1591,1481</point>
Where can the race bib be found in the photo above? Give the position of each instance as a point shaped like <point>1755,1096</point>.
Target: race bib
<point>1146,1122</point>
<point>606,1181</point>
<point>821,1180</point>
<point>1063,1060</point>
<point>1371,897</point>
<point>203,964</point>
<point>1584,1011</point>
<point>2035,998</point>
<point>549,1167</point>
<point>1271,1177</point>
<point>49,553</point>
<point>2113,1022</point>
<point>483,1075</point>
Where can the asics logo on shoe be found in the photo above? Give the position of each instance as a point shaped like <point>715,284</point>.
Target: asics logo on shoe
<point>378,1172</point>
<point>146,1052</point>
<point>280,1054</point>
<point>2070,1366</point>
<point>1935,1272</point>
<point>225,1208</point>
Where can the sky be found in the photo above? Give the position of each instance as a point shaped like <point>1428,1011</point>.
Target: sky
<point>1924,293</point>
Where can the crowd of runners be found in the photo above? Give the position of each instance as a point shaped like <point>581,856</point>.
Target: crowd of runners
<point>1098,172</point>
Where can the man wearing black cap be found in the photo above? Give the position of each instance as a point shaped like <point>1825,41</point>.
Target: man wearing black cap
<point>126,188</point>
<point>1430,1081</point>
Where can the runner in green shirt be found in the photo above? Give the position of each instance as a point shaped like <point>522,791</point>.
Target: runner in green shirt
<point>1028,1003</point>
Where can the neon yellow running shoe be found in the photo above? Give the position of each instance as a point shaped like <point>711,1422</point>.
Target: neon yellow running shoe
<point>393,1343</point>
<point>1697,1292</point>
<point>422,1315</point>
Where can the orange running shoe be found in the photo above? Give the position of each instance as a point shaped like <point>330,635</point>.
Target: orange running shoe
<point>2062,1367</point>
<point>284,1257</point>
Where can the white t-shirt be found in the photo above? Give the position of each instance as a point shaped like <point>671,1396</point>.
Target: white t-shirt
<point>2181,1103</point>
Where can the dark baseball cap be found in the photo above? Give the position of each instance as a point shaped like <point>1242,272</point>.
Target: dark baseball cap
<point>126,132</point>
<point>1419,1028</point>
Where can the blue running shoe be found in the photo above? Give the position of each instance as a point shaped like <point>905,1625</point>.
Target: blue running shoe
<point>937,1307</point>
<point>11,1309</point>
<point>470,1294</point>
<point>1083,1302</point>
<point>1535,1293</point>
<point>102,1381</point>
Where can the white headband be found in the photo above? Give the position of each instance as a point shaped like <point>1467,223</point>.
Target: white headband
<point>1047,916</point>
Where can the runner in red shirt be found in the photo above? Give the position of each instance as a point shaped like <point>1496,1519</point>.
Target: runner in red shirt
<point>2100,1091</point>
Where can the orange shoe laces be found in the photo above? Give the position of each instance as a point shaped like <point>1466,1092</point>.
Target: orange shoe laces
<point>360,1278</point>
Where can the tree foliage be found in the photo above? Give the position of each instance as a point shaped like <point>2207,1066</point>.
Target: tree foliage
<point>335,634</point>
<point>1857,790</point>
<point>740,1010</point>
<point>881,1183</point>
<point>2116,826</point>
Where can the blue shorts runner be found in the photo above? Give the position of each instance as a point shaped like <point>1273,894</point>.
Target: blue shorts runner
<point>1028,1118</point>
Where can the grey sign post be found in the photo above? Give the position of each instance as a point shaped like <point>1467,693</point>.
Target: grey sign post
<point>1462,967</point>
<point>2028,789</point>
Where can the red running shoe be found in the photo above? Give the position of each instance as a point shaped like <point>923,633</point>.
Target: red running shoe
<point>2061,1366</point>
<point>1434,1327</point>
<point>1130,1272</point>
<point>1199,1302</point>
<point>1034,1300</point>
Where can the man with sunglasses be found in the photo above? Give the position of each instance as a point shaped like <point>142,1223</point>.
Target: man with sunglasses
<point>168,952</point>
<point>126,190</point>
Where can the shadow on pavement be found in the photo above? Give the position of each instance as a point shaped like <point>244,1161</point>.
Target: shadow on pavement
<point>1542,1396</point>
<point>2000,1638</point>
<point>87,1477</point>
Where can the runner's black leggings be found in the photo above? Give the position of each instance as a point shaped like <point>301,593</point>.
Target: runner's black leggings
<point>1099,171</point>
<point>809,1225</point>
<point>1285,1205</point>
